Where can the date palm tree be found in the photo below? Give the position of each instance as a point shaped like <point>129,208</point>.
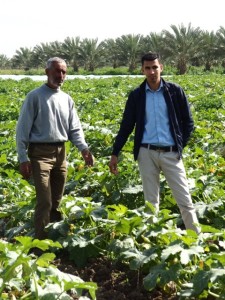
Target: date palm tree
<point>22,59</point>
<point>41,54</point>
<point>91,54</point>
<point>4,62</point>
<point>129,50</point>
<point>70,50</point>
<point>209,49</point>
<point>55,49</point>
<point>111,53</point>
<point>221,44</point>
<point>181,45</point>
<point>152,43</point>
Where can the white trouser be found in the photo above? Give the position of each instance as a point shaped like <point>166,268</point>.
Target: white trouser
<point>151,163</point>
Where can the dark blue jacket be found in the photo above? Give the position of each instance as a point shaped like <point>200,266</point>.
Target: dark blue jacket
<point>180,118</point>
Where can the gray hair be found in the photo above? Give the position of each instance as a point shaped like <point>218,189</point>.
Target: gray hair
<point>54,59</point>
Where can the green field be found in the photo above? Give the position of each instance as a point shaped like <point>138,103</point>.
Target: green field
<point>106,214</point>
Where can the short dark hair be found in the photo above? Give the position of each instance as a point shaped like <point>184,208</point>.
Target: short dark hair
<point>149,57</point>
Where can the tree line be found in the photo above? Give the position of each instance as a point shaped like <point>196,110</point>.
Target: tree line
<point>180,47</point>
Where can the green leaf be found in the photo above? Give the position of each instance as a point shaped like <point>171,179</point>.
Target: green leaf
<point>186,254</point>
<point>171,250</point>
<point>138,258</point>
<point>159,275</point>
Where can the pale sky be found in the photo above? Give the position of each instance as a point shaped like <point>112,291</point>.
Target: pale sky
<point>27,23</point>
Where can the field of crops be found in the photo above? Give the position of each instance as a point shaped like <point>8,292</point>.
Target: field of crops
<point>105,215</point>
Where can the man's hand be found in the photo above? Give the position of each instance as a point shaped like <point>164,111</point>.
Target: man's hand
<point>88,157</point>
<point>113,165</point>
<point>25,169</point>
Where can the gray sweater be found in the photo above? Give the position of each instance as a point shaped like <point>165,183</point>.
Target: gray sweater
<point>48,116</point>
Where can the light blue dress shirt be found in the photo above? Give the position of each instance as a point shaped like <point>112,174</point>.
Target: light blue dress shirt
<point>157,127</point>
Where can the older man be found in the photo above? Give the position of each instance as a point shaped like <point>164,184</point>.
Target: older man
<point>47,120</point>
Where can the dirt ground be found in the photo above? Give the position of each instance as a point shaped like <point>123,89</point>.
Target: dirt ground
<point>115,280</point>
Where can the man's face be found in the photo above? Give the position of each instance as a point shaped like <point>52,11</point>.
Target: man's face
<point>152,70</point>
<point>56,74</point>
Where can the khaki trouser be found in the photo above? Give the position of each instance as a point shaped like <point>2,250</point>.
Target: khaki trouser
<point>48,162</point>
<point>151,163</point>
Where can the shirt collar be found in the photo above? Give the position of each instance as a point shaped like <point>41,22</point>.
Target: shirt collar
<point>147,87</point>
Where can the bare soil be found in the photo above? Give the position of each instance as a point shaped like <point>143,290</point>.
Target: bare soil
<point>115,280</point>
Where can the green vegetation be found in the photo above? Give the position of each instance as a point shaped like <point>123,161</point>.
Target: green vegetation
<point>181,48</point>
<point>106,214</point>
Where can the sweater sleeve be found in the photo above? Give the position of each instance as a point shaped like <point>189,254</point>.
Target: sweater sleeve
<point>23,128</point>
<point>76,133</point>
